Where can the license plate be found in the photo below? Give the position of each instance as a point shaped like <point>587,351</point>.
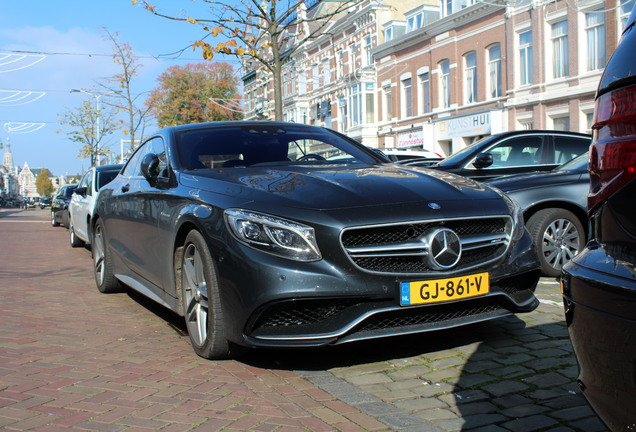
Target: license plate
<point>442,290</point>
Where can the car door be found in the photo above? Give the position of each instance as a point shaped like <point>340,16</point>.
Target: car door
<point>513,155</point>
<point>79,205</point>
<point>133,229</point>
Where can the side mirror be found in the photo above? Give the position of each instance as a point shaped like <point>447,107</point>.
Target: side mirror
<point>483,160</point>
<point>80,191</point>
<point>150,168</point>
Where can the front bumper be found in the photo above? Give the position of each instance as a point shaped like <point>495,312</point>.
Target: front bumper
<point>316,304</point>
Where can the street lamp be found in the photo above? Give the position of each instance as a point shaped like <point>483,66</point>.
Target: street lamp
<point>97,133</point>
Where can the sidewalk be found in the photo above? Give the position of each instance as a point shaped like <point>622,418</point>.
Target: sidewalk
<point>74,359</point>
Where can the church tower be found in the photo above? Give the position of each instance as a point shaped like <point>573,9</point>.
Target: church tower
<point>8,157</point>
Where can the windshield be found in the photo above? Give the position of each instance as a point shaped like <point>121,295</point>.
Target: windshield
<point>458,156</point>
<point>579,163</point>
<point>249,145</point>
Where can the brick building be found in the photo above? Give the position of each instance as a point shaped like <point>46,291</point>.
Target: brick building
<point>440,74</point>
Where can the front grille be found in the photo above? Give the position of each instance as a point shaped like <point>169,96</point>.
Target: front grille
<point>399,249</point>
<point>430,315</point>
<point>299,313</point>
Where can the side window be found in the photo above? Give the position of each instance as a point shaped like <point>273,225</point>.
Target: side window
<point>517,152</point>
<point>89,183</point>
<point>133,167</point>
<point>567,148</point>
<point>157,147</point>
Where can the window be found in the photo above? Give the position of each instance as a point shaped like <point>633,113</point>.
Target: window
<point>595,33</point>
<point>494,71</point>
<point>414,22</point>
<point>560,49</point>
<point>388,109</point>
<point>519,151</point>
<point>625,11</point>
<point>354,57</point>
<point>407,98</point>
<point>356,105</point>
<point>561,123</point>
<point>367,50</point>
<point>447,7</point>
<point>343,114</point>
<point>470,72</point>
<point>315,74</point>
<point>525,57</point>
<point>388,34</point>
<point>425,93</point>
<point>340,63</point>
<point>444,83</point>
<point>326,72</point>
<point>370,102</point>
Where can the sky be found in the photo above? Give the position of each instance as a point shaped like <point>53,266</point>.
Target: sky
<point>71,33</point>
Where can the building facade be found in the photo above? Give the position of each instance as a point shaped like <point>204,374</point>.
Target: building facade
<point>441,74</point>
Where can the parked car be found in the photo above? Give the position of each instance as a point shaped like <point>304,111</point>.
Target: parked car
<point>59,206</point>
<point>554,206</point>
<point>268,234</point>
<point>396,155</point>
<point>80,208</point>
<point>599,284</point>
<point>45,202</point>
<point>515,152</point>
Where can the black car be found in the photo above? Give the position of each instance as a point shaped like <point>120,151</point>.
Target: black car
<point>45,202</point>
<point>599,284</point>
<point>554,206</point>
<point>266,234</point>
<point>515,152</point>
<point>59,205</point>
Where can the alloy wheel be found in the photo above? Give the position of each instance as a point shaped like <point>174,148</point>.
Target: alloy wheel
<point>98,254</point>
<point>561,242</point>
<point>195,291</point>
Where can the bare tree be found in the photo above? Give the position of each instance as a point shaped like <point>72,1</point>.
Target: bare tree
<point>267,31</point>
<point>120,84</point>
<point>89,125</point>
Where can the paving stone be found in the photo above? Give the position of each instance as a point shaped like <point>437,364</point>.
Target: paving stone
<point>529,424</point>
<point>524,410</point>
<point>479,420</point>
<point>505,387</point>
<point>550,379</point>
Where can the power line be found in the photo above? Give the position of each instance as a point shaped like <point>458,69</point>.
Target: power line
<point>163,57</point>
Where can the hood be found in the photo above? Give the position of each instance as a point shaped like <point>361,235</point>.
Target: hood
<point>523,181</point>
<point>337,187</point>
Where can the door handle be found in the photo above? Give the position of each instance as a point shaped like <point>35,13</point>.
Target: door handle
<point>125,188</point>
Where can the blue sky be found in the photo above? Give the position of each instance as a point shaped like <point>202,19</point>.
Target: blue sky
<point>71,31</point>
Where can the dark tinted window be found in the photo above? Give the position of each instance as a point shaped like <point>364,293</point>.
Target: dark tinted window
<point>567,148</point>
<point>104,177</point>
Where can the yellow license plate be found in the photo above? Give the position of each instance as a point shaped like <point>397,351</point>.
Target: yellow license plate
<point>441,290</point>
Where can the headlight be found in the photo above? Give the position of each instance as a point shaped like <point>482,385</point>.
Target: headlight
<point>271,234</point>
<point>517,218</point>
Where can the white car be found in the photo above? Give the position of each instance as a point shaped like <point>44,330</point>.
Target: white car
<point>83,201</point>
<point>402,155</point>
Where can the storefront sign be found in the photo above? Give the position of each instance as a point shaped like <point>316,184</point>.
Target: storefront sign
<point>410,139</point>
<point>472,125</point>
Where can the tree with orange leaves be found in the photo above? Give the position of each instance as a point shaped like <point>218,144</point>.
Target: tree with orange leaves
<point>196,92</point>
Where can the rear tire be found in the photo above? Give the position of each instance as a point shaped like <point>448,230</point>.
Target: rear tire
<point>75,241</point>
<point>201,300</point>
<point>102,266</point>
<point>53,221</point>
<point>559,236</point>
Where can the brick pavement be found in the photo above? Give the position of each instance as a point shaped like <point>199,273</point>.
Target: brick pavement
<point>74,359</point>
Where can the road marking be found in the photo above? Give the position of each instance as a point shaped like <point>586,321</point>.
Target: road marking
<point>24,221</point>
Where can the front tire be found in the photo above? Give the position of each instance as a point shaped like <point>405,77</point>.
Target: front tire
<point>559,236</point>
<point>75,241</point>
<point>102,265</point>
<point>201,300</point>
